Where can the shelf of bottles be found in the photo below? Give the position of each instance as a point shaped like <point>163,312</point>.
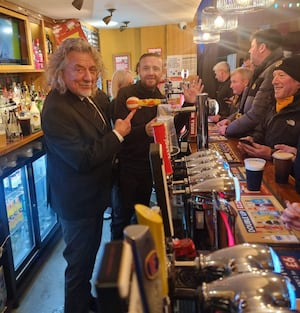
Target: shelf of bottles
<point>20,107</point>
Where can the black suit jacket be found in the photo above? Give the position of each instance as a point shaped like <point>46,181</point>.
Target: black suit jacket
<point>80,149</point>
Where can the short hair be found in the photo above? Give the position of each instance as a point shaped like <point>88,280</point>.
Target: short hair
<point>270,37</point>
<point>149,54</point>
<point>58,61</point>
<point>222,66</point>
<point>245,73</point>
<point>120,79</point>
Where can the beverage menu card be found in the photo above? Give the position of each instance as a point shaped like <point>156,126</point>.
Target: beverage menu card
<point>258,220</point>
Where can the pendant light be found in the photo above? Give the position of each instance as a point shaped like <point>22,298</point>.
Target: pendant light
<point>243,6</point>
<point>212,20</point>
<point>202,37</point>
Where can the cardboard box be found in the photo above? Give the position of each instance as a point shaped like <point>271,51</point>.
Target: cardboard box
<point>68,29</point>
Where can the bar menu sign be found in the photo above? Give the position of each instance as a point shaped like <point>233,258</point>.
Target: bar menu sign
<point>176,63</point>
<point>258,221</point>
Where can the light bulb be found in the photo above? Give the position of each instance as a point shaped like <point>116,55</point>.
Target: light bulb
<point>243,3</point>
<point>219,22</point>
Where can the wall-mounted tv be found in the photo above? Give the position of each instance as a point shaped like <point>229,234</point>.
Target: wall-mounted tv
<point>13,43</point>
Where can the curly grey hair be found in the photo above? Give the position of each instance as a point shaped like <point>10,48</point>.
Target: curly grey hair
<point>58,61</point>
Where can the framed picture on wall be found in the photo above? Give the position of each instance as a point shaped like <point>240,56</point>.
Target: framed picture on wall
<point>121,61</point>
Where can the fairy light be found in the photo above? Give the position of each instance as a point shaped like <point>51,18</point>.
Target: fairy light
<point>286,5</point>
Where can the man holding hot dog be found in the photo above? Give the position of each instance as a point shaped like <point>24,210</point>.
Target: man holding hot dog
<point>135,179</point>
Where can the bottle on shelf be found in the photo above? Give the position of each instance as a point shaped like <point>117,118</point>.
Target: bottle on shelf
<point>13,126</point>
<point>2,98</point>
<point>17,93</point>
<point>35,117</point>
<point>26,97</point>
<point>38,55</point>
<point>49,44</point>
<point>3,141</point>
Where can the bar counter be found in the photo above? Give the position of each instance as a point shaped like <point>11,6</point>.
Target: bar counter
<point>257,212</point>
<point>282,192</point>
<point>11,146</point>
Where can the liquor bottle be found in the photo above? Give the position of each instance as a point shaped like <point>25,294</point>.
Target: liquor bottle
<point>38,55</point>
<point>35,117</point>
<point>13,127</point>
<point>26,97</point>
<point>49,44</point>
<point>35,56</point>
<point>2,133</point>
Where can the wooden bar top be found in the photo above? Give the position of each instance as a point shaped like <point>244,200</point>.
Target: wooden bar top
<point>264,233</point>
<point>282,192</point>
<point>11,146</point>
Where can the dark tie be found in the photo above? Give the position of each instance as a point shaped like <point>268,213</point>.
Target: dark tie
<point>94,113</point>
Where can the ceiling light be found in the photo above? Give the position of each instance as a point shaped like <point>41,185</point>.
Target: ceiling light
<point>77,4</point>
<point>212,20</point>
<point>200,37</point>
<point>243,6</point>
<point>107,18</point>
<point>123,27</point>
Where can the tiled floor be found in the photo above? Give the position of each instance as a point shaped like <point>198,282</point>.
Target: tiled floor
<point>45,293</point>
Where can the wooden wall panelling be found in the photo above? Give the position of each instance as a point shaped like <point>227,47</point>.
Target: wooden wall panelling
<point>180,41</point>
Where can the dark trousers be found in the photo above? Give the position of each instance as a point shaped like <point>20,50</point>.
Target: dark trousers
<point>82,238</point>
<point>133,187</point>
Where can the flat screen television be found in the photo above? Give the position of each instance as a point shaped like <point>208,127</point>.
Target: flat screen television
<point>13,44</point>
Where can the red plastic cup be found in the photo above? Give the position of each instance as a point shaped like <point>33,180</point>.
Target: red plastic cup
<point>160,136</point>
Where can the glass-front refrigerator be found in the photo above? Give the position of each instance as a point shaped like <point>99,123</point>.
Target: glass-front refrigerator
<point>46,217</point>
<point>27,225</point>
<point>19,214</point>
